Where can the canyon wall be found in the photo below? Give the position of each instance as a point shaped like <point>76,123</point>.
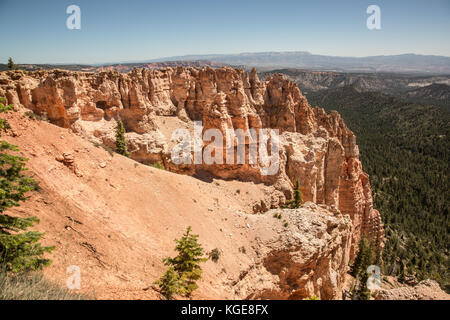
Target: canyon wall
<point>310,257</point>
<point>315,147</point>
<point>116,220</point>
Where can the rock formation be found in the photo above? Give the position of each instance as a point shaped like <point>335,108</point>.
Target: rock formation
<point>68,160</point>
<point>315,147</point>
<point>424,290</point>
<point>309,257</point>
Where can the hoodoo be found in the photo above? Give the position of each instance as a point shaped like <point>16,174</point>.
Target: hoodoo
<point>315,147</point>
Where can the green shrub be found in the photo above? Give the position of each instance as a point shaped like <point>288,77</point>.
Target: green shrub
<point>313,297</point>
<point>214,255</point>
<point>298,197</point>
<point>105,147</point>
<point>158,165</point>
<point>33,116</point>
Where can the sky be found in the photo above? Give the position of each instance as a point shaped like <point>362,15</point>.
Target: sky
<point>136,30</point>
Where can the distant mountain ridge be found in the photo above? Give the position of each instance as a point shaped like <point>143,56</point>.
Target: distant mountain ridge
<point>404,63</point>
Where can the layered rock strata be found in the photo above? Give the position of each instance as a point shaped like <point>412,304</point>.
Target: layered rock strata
<point>315,147</point>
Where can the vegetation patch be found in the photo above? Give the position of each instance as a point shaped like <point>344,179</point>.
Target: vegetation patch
<point>404,148</point>
<point>33,286</point>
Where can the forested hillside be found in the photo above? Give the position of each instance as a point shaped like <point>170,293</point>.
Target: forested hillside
<point>405,149</point>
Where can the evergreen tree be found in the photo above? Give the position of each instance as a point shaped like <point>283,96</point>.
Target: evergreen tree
<point>368,254</point>
<point>298,197</point>
<point>19,251</point>
<point>378,261</point>
<point>121,144</point>
<point>363,291</point>
<point>187,262</point>
<point>169,283</point>
<point>402,276</point>
<point>11,64</point>
<point>371,253</point>
<point>362,260</point>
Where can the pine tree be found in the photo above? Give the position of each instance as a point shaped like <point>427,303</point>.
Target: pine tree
<point>11,64</point>
<point>298,197</point>
<point>366,256</point>
<point>19,251</point>
<point>378,254</point>
<point>121,144</point>
<point>371,253</point>
<point>363,291</point>
<point>361,262</point>
<point>187,263</point>
<point>169,283</point>
<point>402,276</point>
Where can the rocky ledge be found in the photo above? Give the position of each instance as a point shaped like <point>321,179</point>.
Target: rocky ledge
<point>308,254</point>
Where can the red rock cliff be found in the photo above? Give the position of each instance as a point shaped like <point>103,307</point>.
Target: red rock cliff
<point>316,148</point>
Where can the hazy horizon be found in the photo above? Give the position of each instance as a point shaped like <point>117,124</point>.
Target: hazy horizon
<point>141,31</point>
<point>163,59</point>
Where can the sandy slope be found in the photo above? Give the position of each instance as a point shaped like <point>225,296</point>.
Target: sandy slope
<point>117,222</point>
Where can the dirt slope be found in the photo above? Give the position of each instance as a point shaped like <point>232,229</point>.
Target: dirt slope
<point>117,219</point>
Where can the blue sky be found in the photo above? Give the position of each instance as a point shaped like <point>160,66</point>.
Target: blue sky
<point>127,30</point>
